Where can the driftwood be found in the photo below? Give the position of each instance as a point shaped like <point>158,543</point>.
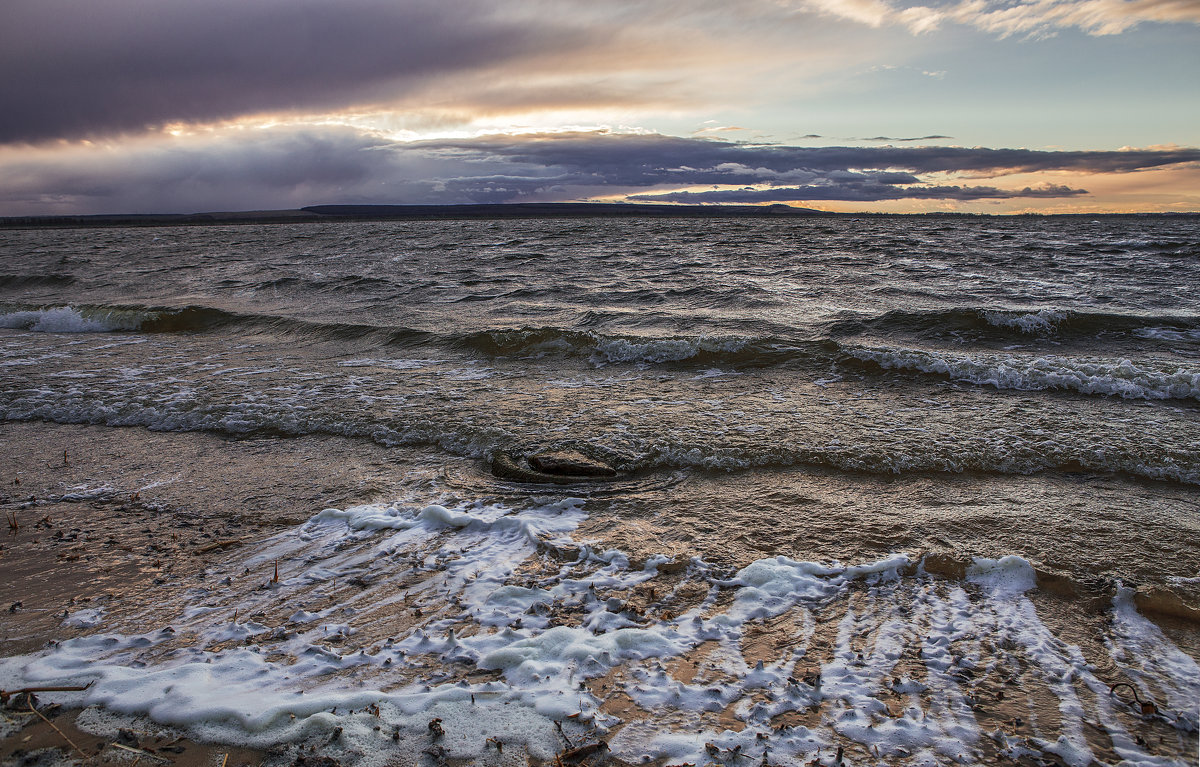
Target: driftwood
<point>6,694</point>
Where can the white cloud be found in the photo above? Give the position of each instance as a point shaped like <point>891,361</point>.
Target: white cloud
<point>1037,17</point>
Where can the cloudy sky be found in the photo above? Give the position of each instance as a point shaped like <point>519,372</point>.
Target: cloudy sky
<point>113,106</point>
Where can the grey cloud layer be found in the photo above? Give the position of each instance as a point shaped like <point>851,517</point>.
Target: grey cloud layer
<point>286,168</point>
<point>83,69</point>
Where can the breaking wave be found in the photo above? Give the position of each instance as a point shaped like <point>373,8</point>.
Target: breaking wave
<point>1027,372</point>
<point>1007,324</point>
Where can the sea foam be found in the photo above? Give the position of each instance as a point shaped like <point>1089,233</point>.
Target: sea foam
<point>499,595</point>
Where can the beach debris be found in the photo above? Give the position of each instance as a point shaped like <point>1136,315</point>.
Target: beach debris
<point>435,728</point>
<point>142,752</point>
<point>1147,708</point>
<point>499,744</point>
<point>15,606</point>
<point>222,544</point>
<point>563,467</point>
<point>570,462</point>
<point>579,753</point>
<point>29,701</point>
<point>437,753</point>
<point>13,524</point>
<point>275,577</point>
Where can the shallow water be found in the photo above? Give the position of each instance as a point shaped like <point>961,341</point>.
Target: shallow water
<point>913,397</point>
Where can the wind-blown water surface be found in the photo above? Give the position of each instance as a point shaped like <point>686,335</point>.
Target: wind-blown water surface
<point>862,390</point>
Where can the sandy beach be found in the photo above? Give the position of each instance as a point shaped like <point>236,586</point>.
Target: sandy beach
<point>118,527</point>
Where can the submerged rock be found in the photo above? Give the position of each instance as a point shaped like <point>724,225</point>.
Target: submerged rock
<point>557,467</point>
<point>570,462</point>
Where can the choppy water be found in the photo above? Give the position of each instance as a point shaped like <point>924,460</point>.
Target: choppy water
<point>863,345</point>
<point>820,389</point>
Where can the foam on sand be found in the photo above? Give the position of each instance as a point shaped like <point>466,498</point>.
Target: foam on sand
<point>497,622</point>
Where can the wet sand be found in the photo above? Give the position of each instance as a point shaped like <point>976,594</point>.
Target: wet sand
<point>115,526</point>
<point>132,515</point>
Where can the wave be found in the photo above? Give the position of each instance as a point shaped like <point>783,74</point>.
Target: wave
<point>66,319</point>
<point>1142,378</point>
<point>196,319</point>
<point>955,452</point>
<point>1027,372</point>
<point>522,342</point>
<point>108,319</point>
<point>1006,324</point>
<point>606,348</point>
<point>353,283</point>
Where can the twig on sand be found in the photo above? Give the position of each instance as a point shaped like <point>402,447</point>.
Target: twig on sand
<point>569,742</point>
<point>579,753</point>
<point>6,694</point>
<point>78,750</point>
<point>219,545</point>
<point>140,752</point>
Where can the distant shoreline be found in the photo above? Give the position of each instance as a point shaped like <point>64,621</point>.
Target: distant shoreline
<point>315,213</point>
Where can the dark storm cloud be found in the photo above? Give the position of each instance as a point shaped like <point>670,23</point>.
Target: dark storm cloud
<point>652,158</point>
<point>76,69</point>
<point>287,167</point>
<point>915,138</point>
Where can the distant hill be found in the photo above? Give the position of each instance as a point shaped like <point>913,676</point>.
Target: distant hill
<point>414,213</point>
<point>491,211</point>
<point>559,210</point>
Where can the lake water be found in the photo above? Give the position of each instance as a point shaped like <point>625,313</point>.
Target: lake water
<point>926,460</point>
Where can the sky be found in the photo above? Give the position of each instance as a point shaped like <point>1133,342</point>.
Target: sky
<point>984,106</point>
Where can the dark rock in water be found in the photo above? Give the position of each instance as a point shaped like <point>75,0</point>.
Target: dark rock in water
<point>521,470</point>
<point>571,462</point>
